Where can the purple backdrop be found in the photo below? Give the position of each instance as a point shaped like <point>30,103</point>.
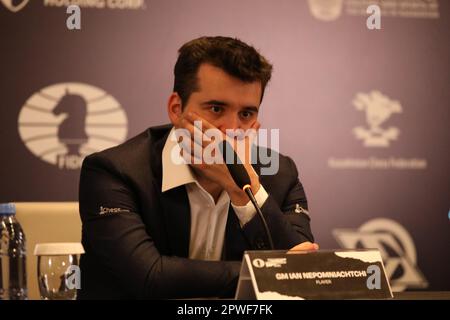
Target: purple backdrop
<point>364,113</point>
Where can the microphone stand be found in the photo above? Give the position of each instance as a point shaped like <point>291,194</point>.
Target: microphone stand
<point>242,180</point>
<point>249,192</point>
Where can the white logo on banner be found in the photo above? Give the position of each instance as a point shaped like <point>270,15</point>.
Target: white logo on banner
<point>99,4</point>
<point>378,109</point>
<point>396,246</point>
<point>63,123</point>
<point>326,10</point>
<point>14,7</point>
<point>94,4</point>
<point>330,10</point>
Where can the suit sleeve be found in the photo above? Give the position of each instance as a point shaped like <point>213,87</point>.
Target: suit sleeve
<point>287,226</point>
<point>115,237</point>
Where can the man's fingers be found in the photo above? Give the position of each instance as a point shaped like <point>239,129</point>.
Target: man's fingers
<point>201,129</point>
<point>305,246</point>
<point>197,135</point>
<point>256,125</point>
<point>195,119</point>
<point>202,147</point>
<point>192,116</point>
<point>191,147</point>
<point>204,133</point>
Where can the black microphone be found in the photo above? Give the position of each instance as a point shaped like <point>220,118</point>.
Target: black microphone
<point>242,179</point>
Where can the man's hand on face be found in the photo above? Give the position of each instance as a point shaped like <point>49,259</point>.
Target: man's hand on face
<point>215,172</point>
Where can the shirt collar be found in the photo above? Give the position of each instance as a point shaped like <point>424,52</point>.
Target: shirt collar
<point>175,171</point>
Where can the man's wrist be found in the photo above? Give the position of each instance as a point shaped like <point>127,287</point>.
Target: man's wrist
<point>247,212</point>
<point>238,196</point>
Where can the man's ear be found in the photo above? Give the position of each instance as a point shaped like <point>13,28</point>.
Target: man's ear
<point>174,108</point>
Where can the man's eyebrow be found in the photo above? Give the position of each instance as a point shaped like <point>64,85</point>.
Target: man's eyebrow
<point>215,102</point>
<point>251,108</point>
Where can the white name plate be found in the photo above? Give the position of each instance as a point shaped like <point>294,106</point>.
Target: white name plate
<point>323,274</point>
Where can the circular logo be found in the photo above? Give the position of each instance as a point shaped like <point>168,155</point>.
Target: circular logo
<point>403,254</point>
<point>401,235</point>
<point>14,6</point>
<point>396,247</point>
<point>63,123</point>
<point>258,263</point>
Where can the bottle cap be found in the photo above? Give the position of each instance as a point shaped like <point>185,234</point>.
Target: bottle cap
<point>7,208</point>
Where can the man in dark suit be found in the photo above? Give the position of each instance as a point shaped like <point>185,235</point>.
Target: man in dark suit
<point>154,227</point>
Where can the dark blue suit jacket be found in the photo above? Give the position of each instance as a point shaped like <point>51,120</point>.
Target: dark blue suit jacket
<point>136,238</point>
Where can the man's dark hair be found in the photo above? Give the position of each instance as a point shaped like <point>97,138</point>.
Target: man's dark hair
<point>235,57</point>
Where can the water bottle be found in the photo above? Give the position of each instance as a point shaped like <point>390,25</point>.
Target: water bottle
<point>13,276</point>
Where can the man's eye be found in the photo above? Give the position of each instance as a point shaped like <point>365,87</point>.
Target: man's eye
<point>246,114</point>
<point>216,109</point>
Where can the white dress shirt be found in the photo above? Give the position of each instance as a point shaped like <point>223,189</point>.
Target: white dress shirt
<point>208,218</point>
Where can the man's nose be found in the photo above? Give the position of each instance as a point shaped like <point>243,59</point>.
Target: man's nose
<point>230,122</point>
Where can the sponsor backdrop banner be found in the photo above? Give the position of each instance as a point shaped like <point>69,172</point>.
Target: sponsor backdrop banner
<point>363,112</point>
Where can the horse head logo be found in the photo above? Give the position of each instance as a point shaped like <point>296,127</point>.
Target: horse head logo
<point>72,130</point>
<point>64,122</point>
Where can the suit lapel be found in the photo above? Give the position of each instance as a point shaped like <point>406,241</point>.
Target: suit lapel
<point>177,215</point>
<point>175,202</point>
<point>235,242</point>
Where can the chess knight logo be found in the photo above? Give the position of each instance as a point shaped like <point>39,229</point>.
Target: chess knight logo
<point>379,108</point>
<point>13,5</point>
<point>64,122</point>
<point>396,247</point>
